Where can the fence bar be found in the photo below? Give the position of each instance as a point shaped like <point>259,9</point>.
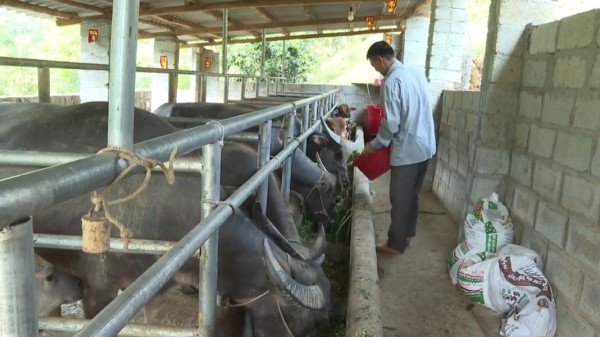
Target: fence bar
<point>17,292</point>
<point>201,121</point>
<point>30,193</point>
<point>305,124</point>
<point>211,192</point>
<point>138,330</point>
<point>71,242</point>
<point>44,85</point>
<point>264,153</point>
<point>243,95</point>
<point>203,88</point>
<point>315,115</point>
<point>286,178</point>
<point>173,86</point>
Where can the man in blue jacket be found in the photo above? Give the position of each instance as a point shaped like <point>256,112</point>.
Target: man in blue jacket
<point>408,128</point>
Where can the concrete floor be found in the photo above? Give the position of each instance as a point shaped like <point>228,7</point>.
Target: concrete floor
<point>418,299</point>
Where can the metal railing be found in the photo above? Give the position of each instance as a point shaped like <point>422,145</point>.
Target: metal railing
<point>30,193</point>
<point>44,66</point>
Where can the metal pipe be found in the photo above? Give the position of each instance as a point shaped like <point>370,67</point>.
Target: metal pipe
<point>114,316</point>
<point>286,177</point>
<point>257,88</point>
<point>43,159</point>
<point>315,115</point>
<point>71,242</point>
<point>243,94</point>
<point>203,88</point>
<point>211,194</point>
<point>305,123</point>
<point>264,152</point>
<point>44,85</point>
<point>199,121</point>
<point>138,330</point>
<point>263,53</point>
<point>224,56</point>
<point>32,192</point>
<point>17,292</point>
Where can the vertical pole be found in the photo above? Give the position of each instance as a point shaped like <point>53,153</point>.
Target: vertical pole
<point>243,94</point>
<point>315,114</point>
<point>17,293</point>
<point>121,90</point>
<point>287,168</point>
<point>203,87</point>
<point>305,121</point>
<point>211,179</point>
<point>44,85</point>
<point>263,53</point>
<point>224,63</point>
<point>173,79</point>
<point>264,152</point>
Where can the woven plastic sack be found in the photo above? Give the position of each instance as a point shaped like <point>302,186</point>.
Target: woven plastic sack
<point>536,319</point>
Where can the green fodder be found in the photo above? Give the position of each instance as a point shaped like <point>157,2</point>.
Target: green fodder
<point>306,230</point>
<point>336,328</point>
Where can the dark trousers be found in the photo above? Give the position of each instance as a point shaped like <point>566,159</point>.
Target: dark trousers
<point>405,184</point>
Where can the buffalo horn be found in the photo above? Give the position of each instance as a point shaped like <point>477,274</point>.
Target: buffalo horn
<point>317,247</point>
<point>266,226</point>
<point>332,136</point>
<point>310,297</point>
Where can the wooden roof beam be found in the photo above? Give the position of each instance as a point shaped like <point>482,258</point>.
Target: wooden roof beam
<point>310,15</point>
<point>263,12</point>
<point>81,5</point>
<point>294,37</point>
<point>38,9</point>
<point>276,25</point>
<point>219,16</point>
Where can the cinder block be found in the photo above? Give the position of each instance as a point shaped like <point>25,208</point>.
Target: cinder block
<point>522,135</point>
<point>547,181</point>
<point>471,123</point>
<point>521,168</point>
<point>595,79</point>
<point>587,112</point>
<point>557,108</point>
<point>524,206</point>
<point>541,141</point>
<point>453,159</point>
<point>506,70</point>
<point>463,143</point>
<point>461,121</point>
<point>564,276</point>
<point>440,13</point>
<point>459,4</point>
<point>582,26</point>
<point>484,186</point>
<point>463,164</point>
<point>510,40</point>
<point>551,223</point>
<point>543,38</point>
<point>446,173</point>
<point>534,73</point>
<point>574,151</point>
<point>582,242</point>
<point>570,72</point>
<point>441,26</point>
<point>476,101</point>
<point>453,139</point>
<point>458,39</point>
<point>571,323</point>
<point>581,196</point>
<point>595,167</point>
<point>500,100</point>
<point>458,27</point>
<point>491,161</point>
<point>530,105</point>
<point>523,13</point>
<point>535,241</point>
<point>590,297</point>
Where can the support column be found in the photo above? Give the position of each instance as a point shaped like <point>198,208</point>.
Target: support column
<point>499,107</point>
<point>95,48</point>
<point>446,49</point>
<point>166,56</point>
<point>414,41</point>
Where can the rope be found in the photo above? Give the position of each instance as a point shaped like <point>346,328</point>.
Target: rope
<point>217,203</point>
<point>222,140</point>
<point>228,304</point>
<point>134,160</point>
<point>283,319</point>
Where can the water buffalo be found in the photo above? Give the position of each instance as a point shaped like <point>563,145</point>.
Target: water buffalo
<point>54,287</point>
<point>249,262</point>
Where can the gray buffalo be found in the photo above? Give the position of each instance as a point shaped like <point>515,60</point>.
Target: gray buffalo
<point>250,262</point>
<point>54,287</point>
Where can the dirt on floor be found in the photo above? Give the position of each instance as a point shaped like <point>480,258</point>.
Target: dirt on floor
<point>418,299</point>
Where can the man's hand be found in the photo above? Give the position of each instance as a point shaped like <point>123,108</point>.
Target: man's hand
<point>369,149</point>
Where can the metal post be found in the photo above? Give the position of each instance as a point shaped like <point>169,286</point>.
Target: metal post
<point>305,121</point>
<point>122,73</point>
<point>17,292</point>
<point>224,63</point>
<point>262,58</point>
<point>315,114</point>
<point>287,168</point>
<point>243,94</point>
<point>211,180</point>
<point>257,88</point>
<point>44,85</point>
<point>203,85</point>
<point>264,152</point>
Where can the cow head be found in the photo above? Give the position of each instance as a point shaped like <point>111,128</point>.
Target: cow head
<point>339,125</point>
<point>333,152</point>
<point>54,287</point>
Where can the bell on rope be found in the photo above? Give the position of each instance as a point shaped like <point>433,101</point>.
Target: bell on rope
<point>96,233</point>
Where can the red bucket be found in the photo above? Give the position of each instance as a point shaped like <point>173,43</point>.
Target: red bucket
<point>374,117</point>
<point>374,165</point>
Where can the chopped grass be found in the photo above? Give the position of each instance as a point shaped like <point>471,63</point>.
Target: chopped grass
<point>336,328</point>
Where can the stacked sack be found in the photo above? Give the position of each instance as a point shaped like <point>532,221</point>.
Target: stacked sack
<point>488,269</point>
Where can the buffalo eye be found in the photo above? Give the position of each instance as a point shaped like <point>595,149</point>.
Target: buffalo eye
<point>49,278</point>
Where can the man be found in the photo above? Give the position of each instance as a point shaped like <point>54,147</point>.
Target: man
<point>409,129</point>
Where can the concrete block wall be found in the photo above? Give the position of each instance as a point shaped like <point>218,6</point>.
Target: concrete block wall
<point>142,99</point>
<point>458,126</point>
<point>554,174</point>
<point>353,95</point>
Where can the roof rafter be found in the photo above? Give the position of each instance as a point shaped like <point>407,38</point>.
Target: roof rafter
<point>39,9</point>
<point>264,13</point>
<point>310,15</point>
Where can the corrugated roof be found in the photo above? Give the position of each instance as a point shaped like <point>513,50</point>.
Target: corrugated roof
<point>200,22</point>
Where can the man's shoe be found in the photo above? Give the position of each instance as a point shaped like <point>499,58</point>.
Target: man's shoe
<point>383,248</point>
